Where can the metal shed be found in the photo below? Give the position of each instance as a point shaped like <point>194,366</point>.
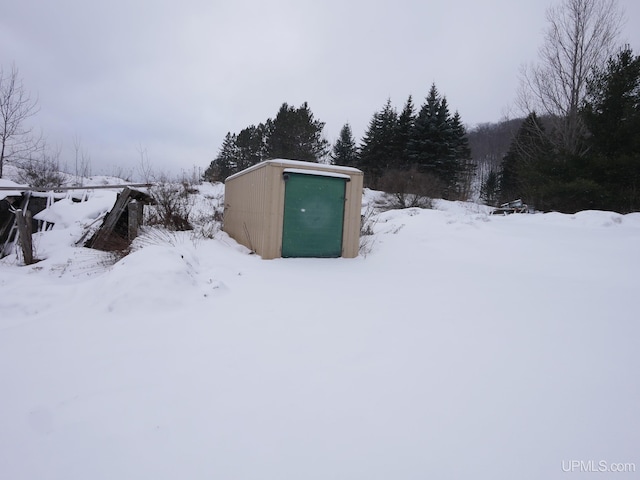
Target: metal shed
<point>289,208</point>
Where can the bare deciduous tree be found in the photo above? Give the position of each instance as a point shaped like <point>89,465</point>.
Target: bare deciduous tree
<point>82,161</point>
<point>145,169</point>
<point>581,35</point>
<point>16,106</point>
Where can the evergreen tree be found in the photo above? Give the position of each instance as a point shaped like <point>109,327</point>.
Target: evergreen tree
<point>426,146</point>
<point>225,163</point>
<point>404,129</point>
<point>438,144</point>
<point>296,135</point>
<point>250,145</point>
<point>460,139</point>
<point>464,167</point>
<point>345,151</point>
<point>612,106</point>
<point>612,115</point>
<point>447,168</point>
<point>526,166</point>
<point>490,189</point>
<point>378,149</point>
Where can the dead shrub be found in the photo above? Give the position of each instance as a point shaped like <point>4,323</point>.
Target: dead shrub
<point>41,172</point>
<point>171,208</point>
<point>368,221</point>
<point>410,188</point>
<point>208,220</point>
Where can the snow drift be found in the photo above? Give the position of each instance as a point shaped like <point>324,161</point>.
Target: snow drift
<point>463,346</point>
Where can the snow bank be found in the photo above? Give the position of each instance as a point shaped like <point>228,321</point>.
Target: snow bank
<point>464,346</point>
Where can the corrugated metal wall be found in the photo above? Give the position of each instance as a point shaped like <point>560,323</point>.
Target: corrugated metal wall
<point>254,206</point>
<point>352,217</point>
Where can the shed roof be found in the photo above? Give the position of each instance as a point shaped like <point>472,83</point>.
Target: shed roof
<point>292,164</point>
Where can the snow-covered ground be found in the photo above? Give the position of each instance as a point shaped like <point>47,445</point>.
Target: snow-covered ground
<point>462,346</point>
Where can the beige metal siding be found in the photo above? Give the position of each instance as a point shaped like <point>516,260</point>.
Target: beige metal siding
<point>352,213</point>
<point>246,212</point>
<point>254,206</point>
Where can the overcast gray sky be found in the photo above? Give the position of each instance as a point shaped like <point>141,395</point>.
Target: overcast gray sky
<point>174,77</point>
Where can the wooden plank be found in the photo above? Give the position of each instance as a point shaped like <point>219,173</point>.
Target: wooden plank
<point>102,236</point>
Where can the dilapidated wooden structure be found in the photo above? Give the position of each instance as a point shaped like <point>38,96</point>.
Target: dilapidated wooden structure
<point>515,206</point>
<point>20,204</point>
<point>25,203</point>
<point>121,224</point>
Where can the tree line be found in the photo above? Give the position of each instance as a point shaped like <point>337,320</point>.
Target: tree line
<point>579,145</point>
<point>576,147</point>
<point>600,169</point>
<point>294,133</point>
<point>428,147</point>
<point>427,151</point>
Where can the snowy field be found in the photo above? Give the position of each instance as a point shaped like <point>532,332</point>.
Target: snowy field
<point>463,346</point>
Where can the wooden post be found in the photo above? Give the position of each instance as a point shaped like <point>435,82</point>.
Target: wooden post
<point>135,217</point>
<point>24,233</point>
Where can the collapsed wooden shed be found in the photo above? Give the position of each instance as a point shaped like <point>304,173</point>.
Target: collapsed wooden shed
<point>119,226</point>
<point>27,201</point>
<point>289,208</point>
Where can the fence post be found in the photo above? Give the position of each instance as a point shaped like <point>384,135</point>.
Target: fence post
<point>24,234</point>
<point>135,217</point>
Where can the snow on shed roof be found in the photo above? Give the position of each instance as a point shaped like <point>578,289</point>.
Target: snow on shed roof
<point>320,173</point>
<point>300,164</point>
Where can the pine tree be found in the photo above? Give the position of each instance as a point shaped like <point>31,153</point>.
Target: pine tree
<point>225,163</point>
<point>296,135</point>
<point>447,168</point>
<point>612,115</point>
<point>490,189</point>
<point>404,130</point>
<point>345,151</point>
<point>378,148</point>
<point>425,147</point>
<point>461,141</point>
<point>612,106</point>
<point>250,144</point>
<point>438,144</point>
<point>525,166</point>
<point>465,168</point>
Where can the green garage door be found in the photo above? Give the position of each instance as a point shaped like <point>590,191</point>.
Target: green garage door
<point>313,215</point>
